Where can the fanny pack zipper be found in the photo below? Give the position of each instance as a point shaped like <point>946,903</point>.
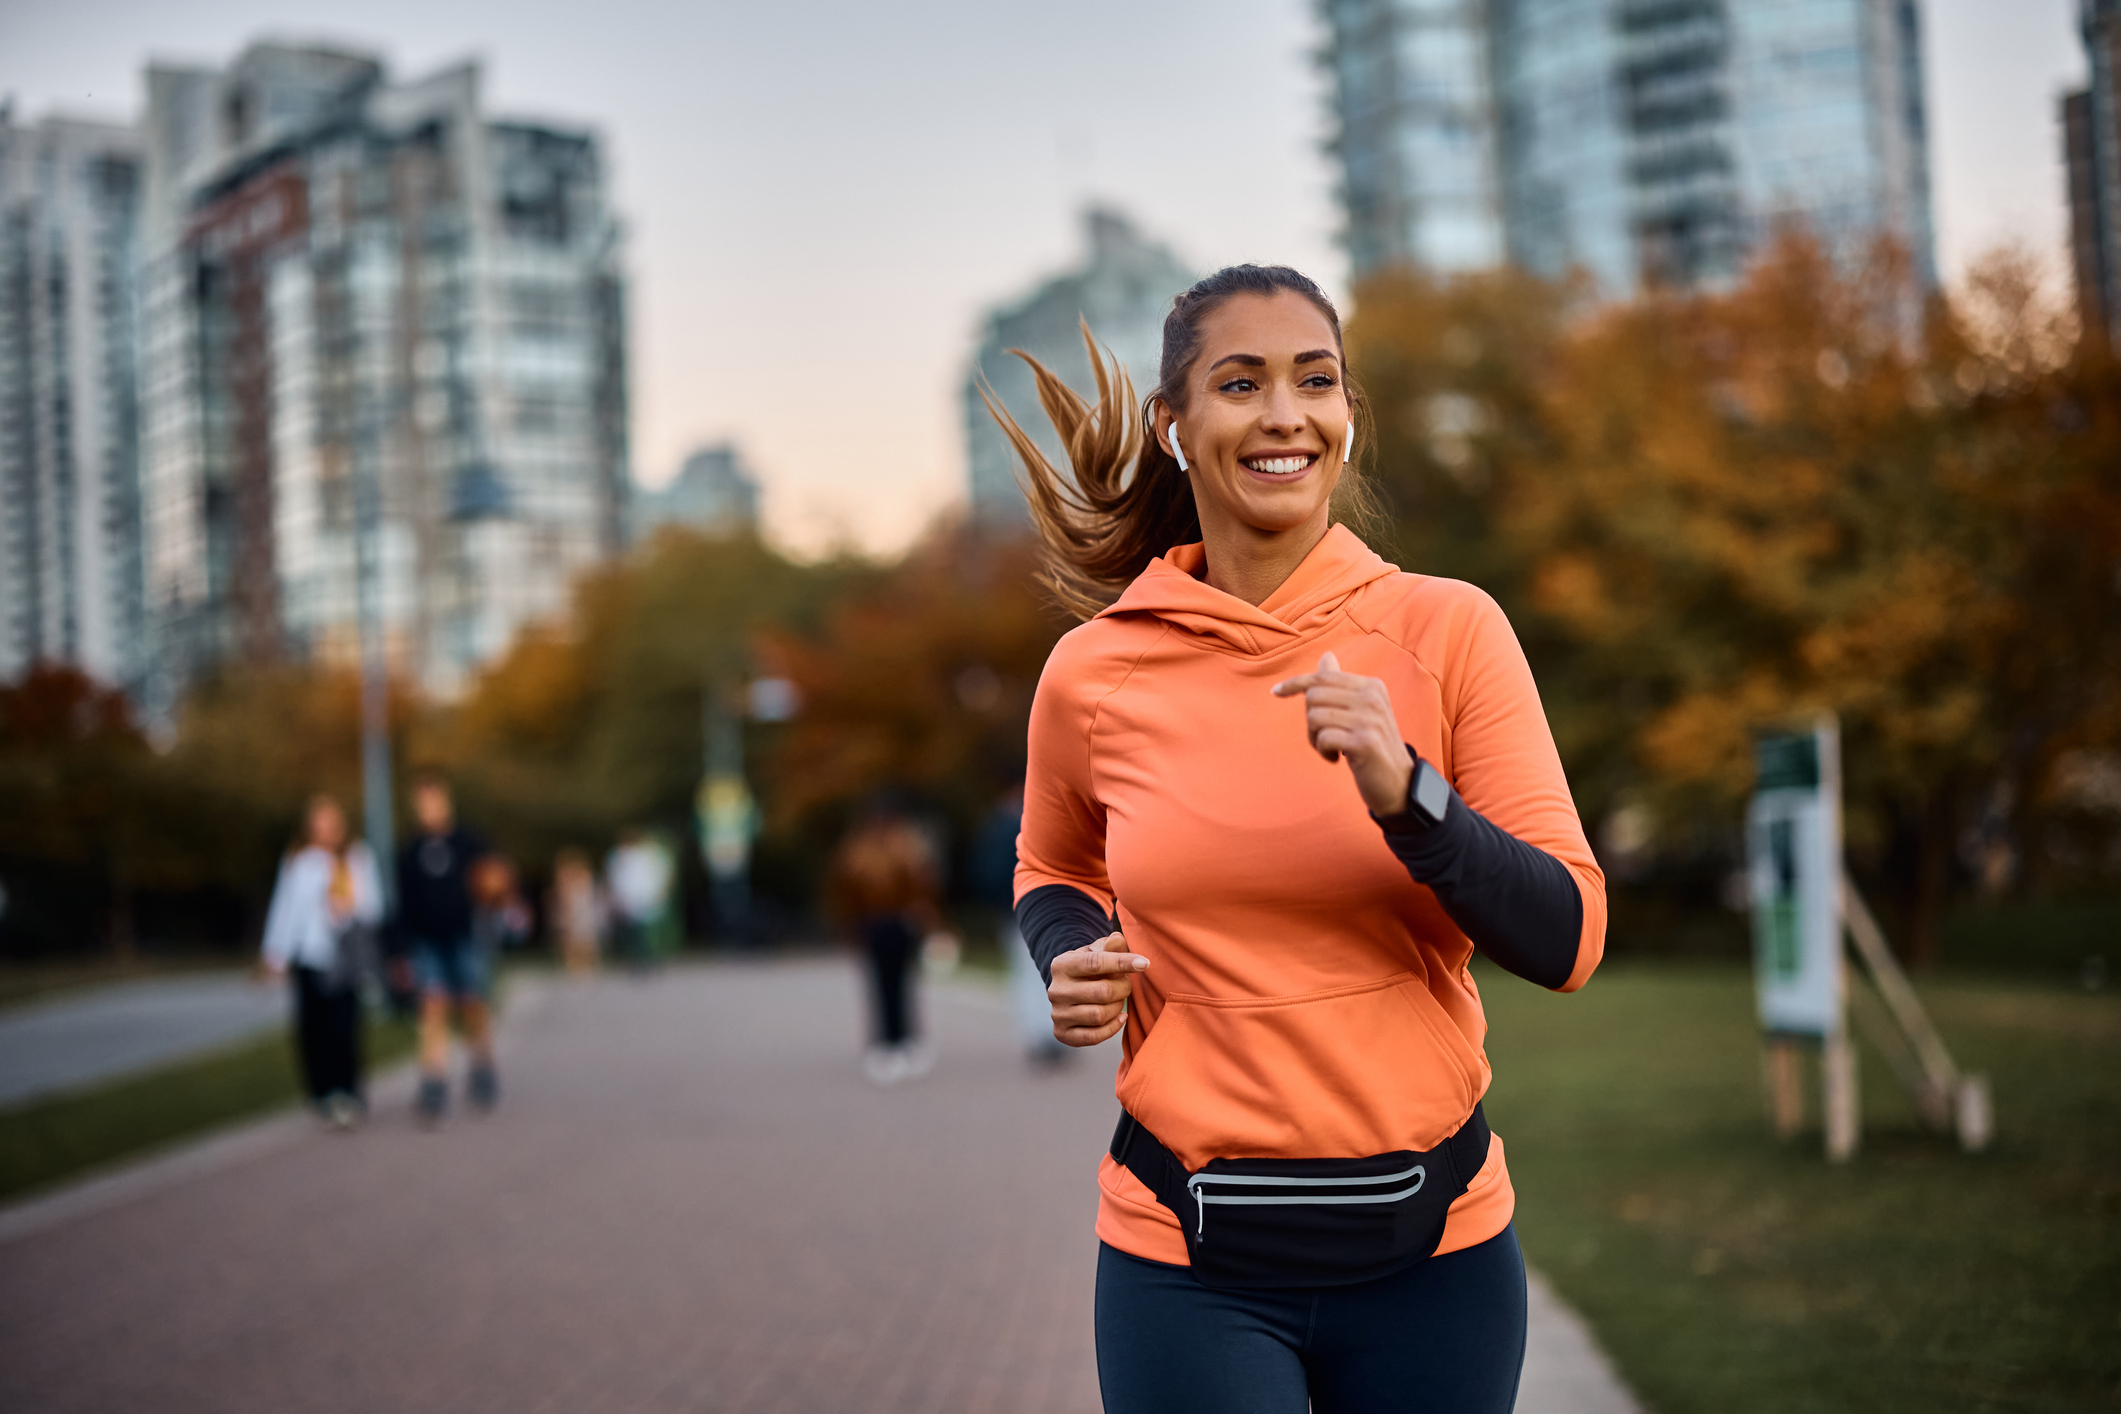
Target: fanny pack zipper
<point>1201,1198</point>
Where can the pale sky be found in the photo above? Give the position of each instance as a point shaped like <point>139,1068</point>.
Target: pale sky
<point>822,198</point>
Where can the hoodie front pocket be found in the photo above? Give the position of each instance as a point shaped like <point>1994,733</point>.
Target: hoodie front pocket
<point>1353,1071</point>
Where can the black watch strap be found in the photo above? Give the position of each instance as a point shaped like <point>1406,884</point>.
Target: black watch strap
<point>1428,801</point>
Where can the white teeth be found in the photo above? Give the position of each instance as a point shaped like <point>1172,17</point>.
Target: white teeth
<point>1279,466</point>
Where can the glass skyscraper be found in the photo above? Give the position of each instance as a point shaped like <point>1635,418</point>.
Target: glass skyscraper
<point>71,587</point>
<point>1417,139</point>
<point>2091,129</point>
<point>1642,141</point>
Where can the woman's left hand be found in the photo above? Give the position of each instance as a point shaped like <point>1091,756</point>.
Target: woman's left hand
<point>1349,717</point>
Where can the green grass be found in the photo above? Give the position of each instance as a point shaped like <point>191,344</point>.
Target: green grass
<point>1727,1272</point>
<point>48,1141</point>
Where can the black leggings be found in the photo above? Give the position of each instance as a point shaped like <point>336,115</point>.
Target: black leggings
<point>327,1034</point>
<point>1445,1336</point>
<point>890,942</point>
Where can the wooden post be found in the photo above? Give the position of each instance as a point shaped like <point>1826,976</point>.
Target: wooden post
<point>1942,1076</point>
<point>1837,1077</point>
<point>1945,1096</point>
<point>1976,1121</point>
<point>1782,1061</point>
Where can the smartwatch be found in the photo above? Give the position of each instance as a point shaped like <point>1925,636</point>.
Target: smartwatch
<point>1428,800</point>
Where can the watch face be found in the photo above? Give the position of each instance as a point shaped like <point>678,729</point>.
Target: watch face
<point>1432,793</point>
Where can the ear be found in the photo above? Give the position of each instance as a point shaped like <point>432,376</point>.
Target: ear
<point>1167,436</point>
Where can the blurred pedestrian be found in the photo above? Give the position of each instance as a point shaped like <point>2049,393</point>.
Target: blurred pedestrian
<point>883,890</point>
<point>1302,1206</point>
<point>637,877</point>
<point>320,931</point>
<point>991,873</point>
<point>500,919</point>
<point>576,911</point>
<point>435,911</point>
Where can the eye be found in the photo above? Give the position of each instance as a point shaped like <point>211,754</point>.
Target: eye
<point>1239,385</point>
<point>1320,380</point>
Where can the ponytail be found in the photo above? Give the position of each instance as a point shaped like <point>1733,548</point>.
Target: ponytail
<point>1127,502</point>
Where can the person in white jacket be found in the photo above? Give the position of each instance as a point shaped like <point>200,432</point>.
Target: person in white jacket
<point>320,932</point>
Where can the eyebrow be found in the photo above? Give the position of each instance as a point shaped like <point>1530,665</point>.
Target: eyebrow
<point>1255,361</point>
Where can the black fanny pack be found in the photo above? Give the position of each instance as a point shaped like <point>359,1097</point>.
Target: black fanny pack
<point>1264,1224</point>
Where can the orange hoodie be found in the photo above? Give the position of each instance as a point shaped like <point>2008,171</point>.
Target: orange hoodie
<point>1306,998</point>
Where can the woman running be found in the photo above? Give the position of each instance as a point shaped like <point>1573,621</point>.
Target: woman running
<point>1278,793</point>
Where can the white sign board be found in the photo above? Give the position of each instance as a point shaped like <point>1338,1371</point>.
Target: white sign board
<point>1793,858</point>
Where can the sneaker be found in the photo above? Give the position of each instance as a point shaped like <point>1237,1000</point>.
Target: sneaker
<point>485,1087</point>
<point>883,1065</point>
<point>915,1059</point>
<point>434,1098</point>
<point>342,1111</point>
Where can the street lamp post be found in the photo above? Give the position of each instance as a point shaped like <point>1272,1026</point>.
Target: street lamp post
<point>376,812</point>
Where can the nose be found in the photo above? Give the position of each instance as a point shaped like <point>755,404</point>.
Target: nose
<point>1281,413</point>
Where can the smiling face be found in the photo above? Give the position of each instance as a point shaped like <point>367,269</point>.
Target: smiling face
<point>1265,414</point>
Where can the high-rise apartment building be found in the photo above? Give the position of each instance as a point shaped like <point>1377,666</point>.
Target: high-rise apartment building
<point>354,284</point>
<point>70,573</point>
<point>713,492</point>
<point>1123,289</point>
<point>1416,140</point>
<point>1643,141</point>
<point>2091,138</point>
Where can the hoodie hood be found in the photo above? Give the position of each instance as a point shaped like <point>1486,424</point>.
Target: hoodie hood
<point>1170,589</point>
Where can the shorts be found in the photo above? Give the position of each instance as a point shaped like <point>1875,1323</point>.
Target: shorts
<point>461,973</point>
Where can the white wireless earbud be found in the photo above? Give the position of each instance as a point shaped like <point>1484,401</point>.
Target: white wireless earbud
<point>1176,450</point>
<point>1347,447</point>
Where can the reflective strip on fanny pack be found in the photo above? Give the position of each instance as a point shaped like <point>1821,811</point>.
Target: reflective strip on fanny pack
<point>1264,1181</point>
<point>1201,1198</point>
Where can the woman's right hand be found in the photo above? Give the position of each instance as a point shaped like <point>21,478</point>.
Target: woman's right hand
<point>1090,990</point>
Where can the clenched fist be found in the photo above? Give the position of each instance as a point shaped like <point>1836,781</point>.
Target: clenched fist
<point>1090,990</point>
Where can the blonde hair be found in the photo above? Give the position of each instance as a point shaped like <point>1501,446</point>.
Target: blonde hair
<point>1127,501</point>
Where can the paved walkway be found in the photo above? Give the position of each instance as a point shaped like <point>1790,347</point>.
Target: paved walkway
<point>87,1037</point>
<point>689,1200</point>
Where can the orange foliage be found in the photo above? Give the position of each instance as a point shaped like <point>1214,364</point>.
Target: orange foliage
<point>1714,513</point>
<point>924,680</point>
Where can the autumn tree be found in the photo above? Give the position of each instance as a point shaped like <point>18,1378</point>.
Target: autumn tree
<point>915,674</point>
<point>594,721</point>
<point>1715,513</point>
<point>921,680</point>
<point>85,798</point>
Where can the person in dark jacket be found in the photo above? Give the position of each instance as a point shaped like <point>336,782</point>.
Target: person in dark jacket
<point>883,892</point>
<point>435,914</point>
